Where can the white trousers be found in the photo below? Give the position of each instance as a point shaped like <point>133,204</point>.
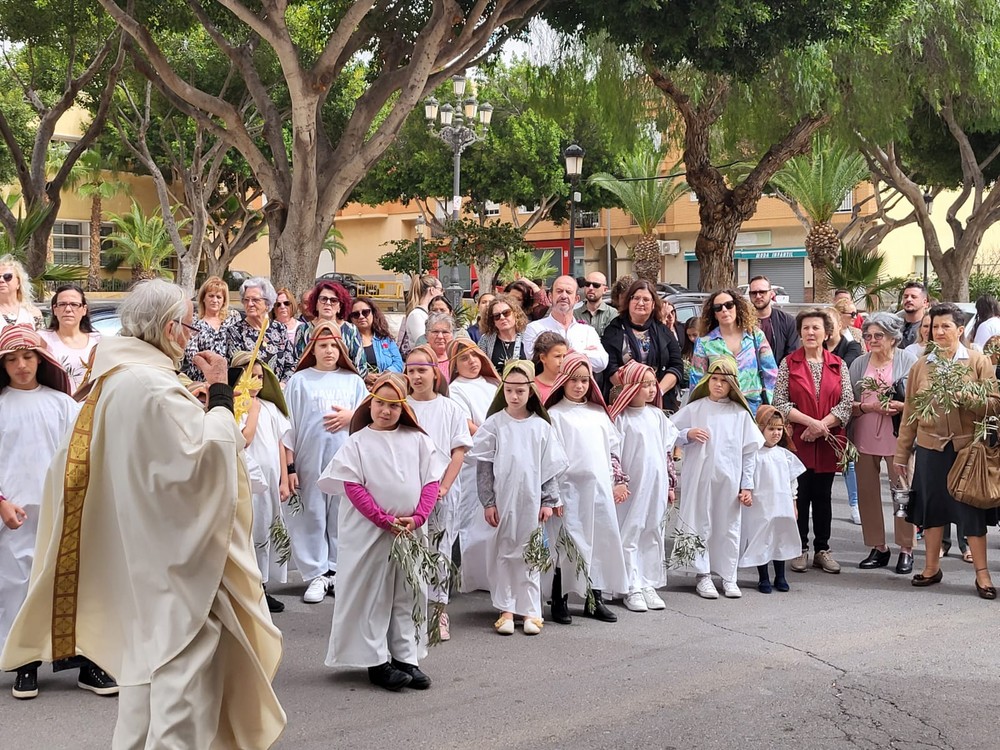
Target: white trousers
<point>314,532</point>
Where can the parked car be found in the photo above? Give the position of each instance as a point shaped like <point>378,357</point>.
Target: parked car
<point>666,288</point>
<point>103,316</point>
<point>354,284</point>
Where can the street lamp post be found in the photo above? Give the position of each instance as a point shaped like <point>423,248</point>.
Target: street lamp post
<point>459,128</point>
<point>574,168</point>
<point>929,203</point>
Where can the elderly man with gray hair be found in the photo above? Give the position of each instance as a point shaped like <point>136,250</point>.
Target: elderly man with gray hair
<point>879,382</point>
<point>144,562</point>
<point>277,352</point>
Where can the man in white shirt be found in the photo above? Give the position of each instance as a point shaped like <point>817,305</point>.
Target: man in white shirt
<point>579,336</point>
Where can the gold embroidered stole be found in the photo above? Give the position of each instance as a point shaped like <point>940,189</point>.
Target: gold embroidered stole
<point>67,578</point>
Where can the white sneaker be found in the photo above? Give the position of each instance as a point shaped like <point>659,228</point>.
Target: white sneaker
<point>652,599</point>
<point>635,602</point>
<point>706,589</point>
<point>316,591</point>
<point>731,590</point>
<point>855,515</point>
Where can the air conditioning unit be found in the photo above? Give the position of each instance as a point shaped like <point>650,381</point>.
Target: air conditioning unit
<point>669,247</point>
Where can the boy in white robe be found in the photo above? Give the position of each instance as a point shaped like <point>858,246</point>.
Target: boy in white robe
<point>646,455</point>
<point>322,395</point>
<point>389,471</point>
<point>36,413</point>
<point>518,464</point>
<point>591,487</point>
<point>721,442</point>
<point>265,427</point>
<point>473,385</point>
<point>445,423</point>
<point>768,532</point>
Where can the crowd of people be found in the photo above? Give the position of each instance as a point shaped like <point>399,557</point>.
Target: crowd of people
<point>557,444</point>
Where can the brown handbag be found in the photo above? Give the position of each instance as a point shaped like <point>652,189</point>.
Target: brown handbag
<point>974,478</point>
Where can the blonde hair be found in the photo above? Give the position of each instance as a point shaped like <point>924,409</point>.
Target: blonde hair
<point>844,306</point>
<point>419,288</point>
<point>213,284</point>
<point>25,292</point>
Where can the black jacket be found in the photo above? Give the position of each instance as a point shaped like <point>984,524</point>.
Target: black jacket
<point>784,338</point>
<point>613,341</point>
<point>848,350</point>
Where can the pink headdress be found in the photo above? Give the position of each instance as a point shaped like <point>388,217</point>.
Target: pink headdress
<point>570,364</point>
<point>632,376</point>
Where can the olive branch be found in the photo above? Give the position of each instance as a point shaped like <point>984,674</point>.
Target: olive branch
<point>880,389</point>
<point>294,504</point>
<point>536,552</point>
<point>280,541</point>
<point>951,385</point>
<point>845,451</point>
<point>573,555</point>
<point>422,564</point>
<point>686,546</point>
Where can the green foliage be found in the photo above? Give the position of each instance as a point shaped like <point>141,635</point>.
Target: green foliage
<point>862,272</point>
<point>422,565</point>
<point>141,242</point>
<point>24,228</point>
<point>641,191</point>
<point>406,258</point>
<point>334,243</point>
<point>984,282</point>
<point>820,180</point>
<point>536,552</point>
<point>951,385</point>
<point>527,265</point>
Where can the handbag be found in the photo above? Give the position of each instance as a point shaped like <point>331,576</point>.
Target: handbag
<point>974,478</point>
<point>760,370</point>
<point>898,394</point>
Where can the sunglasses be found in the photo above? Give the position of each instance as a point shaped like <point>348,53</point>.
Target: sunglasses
<point>724,306</point>
<point>500,315</point>
<point>759,292</point>
<point>873,336</point>
<point>8,277</point>
<point>593,284</point>
<point>286,303</point>
<point>360,314</point>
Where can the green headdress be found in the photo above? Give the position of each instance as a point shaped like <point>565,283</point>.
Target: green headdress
<point>270,389</point>
<point>723,365</point>
<point>527,369</point>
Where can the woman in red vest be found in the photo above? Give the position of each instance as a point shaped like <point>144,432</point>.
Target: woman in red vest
<point>814,394</point>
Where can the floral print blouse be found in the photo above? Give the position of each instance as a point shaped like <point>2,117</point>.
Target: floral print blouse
<point>276,351</point>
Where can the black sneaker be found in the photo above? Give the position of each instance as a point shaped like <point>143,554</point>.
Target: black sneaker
<point>418,680</point>
<point>96,680</point>
<point>388,677</point>
<point>273,605</point>
<point>25,684</point>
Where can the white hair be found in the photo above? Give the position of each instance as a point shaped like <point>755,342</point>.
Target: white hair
<point>25,291</point>
<point>266,290</point>
<point>146,311</point>
<point>438,317</point>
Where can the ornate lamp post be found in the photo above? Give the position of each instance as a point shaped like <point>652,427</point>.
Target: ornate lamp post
<point>929,203</point>
<point>574,168</point>
<point>461,125</point>
<point>420,224</point>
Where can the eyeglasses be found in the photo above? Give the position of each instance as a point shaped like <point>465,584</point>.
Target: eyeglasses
<point>8,277</point>
<point>642,300</point>
<point>360,314</point>
<point>501,314</point>
<point>188,326</point>
<point>68,305</point>
<point>873,336</point>
<point>593,284</point>
<point>328,300</point>
<point>286,303</point>
<point>724,306</point>
<point>253,301</point>
<point>759,292</point>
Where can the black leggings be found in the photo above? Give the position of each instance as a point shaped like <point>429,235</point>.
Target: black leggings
<point>815,491</point>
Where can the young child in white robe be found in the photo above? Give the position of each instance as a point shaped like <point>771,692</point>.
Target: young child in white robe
<point>474,383</point>
<point>389,471</point>
<point>36,414</point>
<point>518,462</point>
<point>322,395</point>
<point>768,532</point>
<point>265,427</point>
<point>646,456</point>
<point>721,441</point>
<point>445,423</point>
<point>589,489</point>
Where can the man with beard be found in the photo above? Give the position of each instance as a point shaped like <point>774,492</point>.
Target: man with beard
<point>914,306</point>
<point>594,311</point>
<point>778,326</point>
<point>561,319</point>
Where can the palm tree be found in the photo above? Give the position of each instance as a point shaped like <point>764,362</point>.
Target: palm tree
<point>815,185</point>
<point>646,195</point>
<point>526,265</point>
<point>141,242</point>
<point>861,272</point>
<point>17,245</point>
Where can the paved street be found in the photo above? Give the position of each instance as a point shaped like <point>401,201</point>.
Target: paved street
<point>859,660</point>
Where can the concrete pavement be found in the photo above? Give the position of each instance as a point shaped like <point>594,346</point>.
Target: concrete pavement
<point>856,660</point>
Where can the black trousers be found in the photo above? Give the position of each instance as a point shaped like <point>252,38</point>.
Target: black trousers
<point>815,493</point>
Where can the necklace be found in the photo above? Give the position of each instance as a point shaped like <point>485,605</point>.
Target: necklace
<point>507,350</point>
<point>11,319</point>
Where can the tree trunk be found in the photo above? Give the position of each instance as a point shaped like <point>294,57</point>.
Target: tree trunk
<point>954,281</point>
<point>94,268</point>
<point>714,251</point>
<point>38,247</point>
<point>646,258</point>
<point>187,272</point>
<point>295,248</point>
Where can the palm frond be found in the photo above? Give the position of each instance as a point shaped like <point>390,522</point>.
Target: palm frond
<point>820,180</point>
<point>31,222</point>
<point>525,265</point>
<point>862,272</point>
<point>140,241</point>
<point>643,192</point>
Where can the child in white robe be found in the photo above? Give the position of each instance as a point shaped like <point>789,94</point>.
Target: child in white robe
<point>768,532</point>
<point>265,428</point>
<point>474,383</point>
<point>518,464</point>
<point>589,489</point>
<point>36,414</point>
<point>721,441</point>
<point>646,455</point>
<point>389,471</point>
<point>322,395</point>
<point>445,423</point>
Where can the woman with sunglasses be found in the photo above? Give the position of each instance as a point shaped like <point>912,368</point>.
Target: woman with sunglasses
<point>380,349</point>
<point>502,328</point>
<point>285,312</point>
<point>329,302</point>
<point>17,302</point>
<point>70,336</point>
<point>730,330</point>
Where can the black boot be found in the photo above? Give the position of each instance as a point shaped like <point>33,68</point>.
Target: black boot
<point>779,576</point>
<point>599,610</point>
<point>764,582</point>
<point>418,680</point>
<point>560,605</point>
<point>875,559</point>
<point>388,677</point>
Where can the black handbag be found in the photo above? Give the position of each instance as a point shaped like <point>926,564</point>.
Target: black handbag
<point>898,394</point>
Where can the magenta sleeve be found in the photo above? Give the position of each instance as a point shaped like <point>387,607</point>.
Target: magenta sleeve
<point>428,496</point>
<point>362,500</point>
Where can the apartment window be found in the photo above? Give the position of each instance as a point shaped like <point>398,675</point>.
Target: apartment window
<point>526,209</point>
<point>70,243</point>
<point>848,203</point>
<point>492,209</point>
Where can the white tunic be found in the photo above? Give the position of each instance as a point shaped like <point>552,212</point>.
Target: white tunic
<point>311,394</point>
<point>475,397</point>
<point>32,424</point>
<point>647,437</point>
<point>273,428</point>
<point>372,621</point>
<point>589,438</point>
<point>712,475</point>
<point>525,454</point>
<point>768,530</point>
